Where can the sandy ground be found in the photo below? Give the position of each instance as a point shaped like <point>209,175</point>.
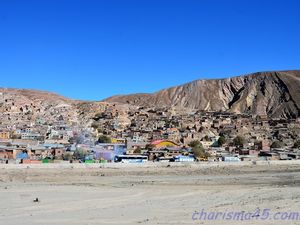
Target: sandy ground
<point>146,195</point>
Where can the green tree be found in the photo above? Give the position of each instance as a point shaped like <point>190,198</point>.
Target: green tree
<point>95,125</point>
<point>221,141</point>
<point>239,141</point>
<point>276,144</point>
<point>67,156</point>
<point>195,143</point>
<point>79,153</point>
<point>199,152</point>
<point>104,139</point>
<point>149,146</point>
<point>138,150</point>
<point>206,138</point>
<point>198,149</point>
<point>297,144</point>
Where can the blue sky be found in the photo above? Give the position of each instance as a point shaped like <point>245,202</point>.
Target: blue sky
<point>91,50</point>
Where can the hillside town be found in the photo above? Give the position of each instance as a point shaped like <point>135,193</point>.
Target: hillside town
<point>119,134</point>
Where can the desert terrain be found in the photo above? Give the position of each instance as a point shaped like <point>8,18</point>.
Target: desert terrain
<point>146,194</point>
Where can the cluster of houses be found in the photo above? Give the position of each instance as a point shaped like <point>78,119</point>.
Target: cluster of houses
<point>146,125</point>
<point>151,134</point>
<point>29,151</point>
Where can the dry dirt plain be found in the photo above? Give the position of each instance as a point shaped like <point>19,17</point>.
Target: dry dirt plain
<point>133,194</point>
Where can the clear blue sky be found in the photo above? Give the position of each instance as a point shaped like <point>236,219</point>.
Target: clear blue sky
<point>88,49</point>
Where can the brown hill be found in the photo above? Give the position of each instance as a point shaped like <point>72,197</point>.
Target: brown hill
<point>23,106</point>
<point>276,94</point>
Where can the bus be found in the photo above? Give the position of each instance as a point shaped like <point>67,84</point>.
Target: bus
<point>183,158</point>
<point>131,158</point>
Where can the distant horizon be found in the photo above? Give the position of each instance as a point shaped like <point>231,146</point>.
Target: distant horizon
<point>92,100</point>
<point>91,50</point>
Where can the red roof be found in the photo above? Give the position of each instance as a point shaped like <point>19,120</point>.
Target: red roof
<point>156,142</point>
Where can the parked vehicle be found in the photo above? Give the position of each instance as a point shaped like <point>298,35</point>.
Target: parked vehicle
<point>131,158</point>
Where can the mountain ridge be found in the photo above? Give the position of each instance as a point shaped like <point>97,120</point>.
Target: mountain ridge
<point>255,93</point>
<point>206,79</point>
<point>274,94</point>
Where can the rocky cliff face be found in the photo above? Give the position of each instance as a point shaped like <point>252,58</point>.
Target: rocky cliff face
<point>276,94</point>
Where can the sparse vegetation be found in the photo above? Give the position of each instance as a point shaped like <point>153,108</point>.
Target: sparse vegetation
<point>149,146</point>
<point>277,144</point>
<point>297,144</point>
<point>199,152</point>
<point>138,150</point>
<point>239,141</point>
<point>195,143</point>
<point>67,156</point>
<point>79,153</point>
<point>198,149</point>
<point>221,141</point>
<point>104,139</point>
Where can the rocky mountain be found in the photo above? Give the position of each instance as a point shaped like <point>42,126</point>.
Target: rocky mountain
<point>276,94</point>
<point>21,106</point>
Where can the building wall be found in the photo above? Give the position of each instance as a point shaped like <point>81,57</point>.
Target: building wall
<point>4,135</point>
